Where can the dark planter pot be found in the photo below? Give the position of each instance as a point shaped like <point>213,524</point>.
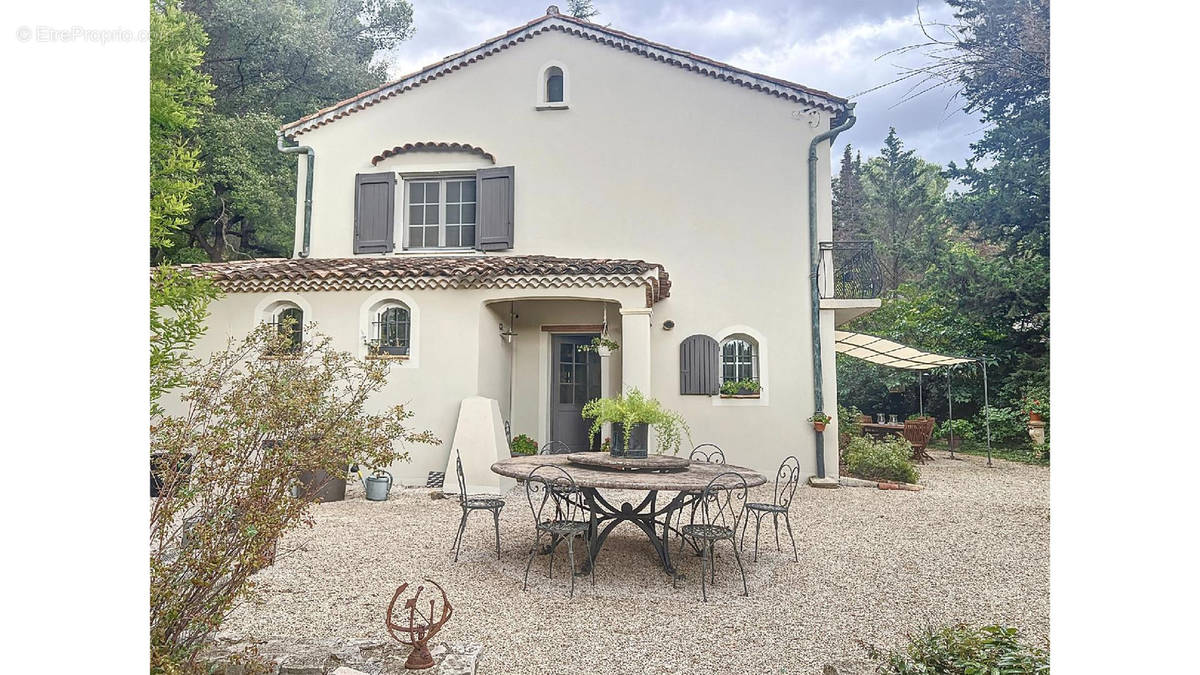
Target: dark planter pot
<point>636,445</point>
<point>955,443</point>
<point>334,490</point>
<point>157,460</point>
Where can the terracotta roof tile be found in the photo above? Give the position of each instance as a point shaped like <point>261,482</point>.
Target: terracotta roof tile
<point>432,146</point>
<point>426,271</point>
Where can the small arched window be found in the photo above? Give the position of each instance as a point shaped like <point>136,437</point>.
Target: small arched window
<point>391,331</point>
<point>554,85</point>
<point>289,322</point>
<point>739,359</point>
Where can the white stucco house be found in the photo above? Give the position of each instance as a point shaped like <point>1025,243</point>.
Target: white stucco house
<point>481,219</point>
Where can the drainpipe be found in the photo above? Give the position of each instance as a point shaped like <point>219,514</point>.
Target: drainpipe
<point>814,258</point>
<point>308,183</point>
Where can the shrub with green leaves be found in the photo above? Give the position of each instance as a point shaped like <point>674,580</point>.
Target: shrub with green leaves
<point>887,459</point>
<point>963,650</point>
<point>523,445</point>
<point>1009,426</point>
<point>963,429</point>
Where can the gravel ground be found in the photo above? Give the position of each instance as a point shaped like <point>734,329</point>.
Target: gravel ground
<point>973,546</point>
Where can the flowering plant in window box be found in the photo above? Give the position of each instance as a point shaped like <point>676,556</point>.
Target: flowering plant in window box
<point>741,388</point>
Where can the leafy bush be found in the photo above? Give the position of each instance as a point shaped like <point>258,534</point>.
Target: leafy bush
<point>523,445</point>
<point>889,459</point>
<point>1008,426</point>
<point>849,420</point>
<point>228,465</point>
<point>634,408</point>
<point>963,650</point>
<point>962,429</point>
<point>1036,400</point>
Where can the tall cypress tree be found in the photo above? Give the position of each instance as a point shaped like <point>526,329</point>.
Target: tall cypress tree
<point>848,199</point>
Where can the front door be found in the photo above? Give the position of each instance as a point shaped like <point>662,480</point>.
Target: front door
<point>575,381</point>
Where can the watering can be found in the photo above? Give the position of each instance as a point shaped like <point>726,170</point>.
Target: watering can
<point>377,485</point>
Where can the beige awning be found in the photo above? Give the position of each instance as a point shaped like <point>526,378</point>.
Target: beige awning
<point>891,354</point>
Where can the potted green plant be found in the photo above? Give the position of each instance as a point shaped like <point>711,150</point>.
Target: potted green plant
<point>819,420</point>
<point>744,387</point>
<point>523,445</point>
<point>1036,402</point>
<point>599,343</point>
<point>632,415</point>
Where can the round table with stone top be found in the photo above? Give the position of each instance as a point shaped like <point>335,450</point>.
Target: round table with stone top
<point>686,478</point>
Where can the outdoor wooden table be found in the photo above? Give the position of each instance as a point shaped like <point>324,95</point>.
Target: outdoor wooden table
<point>655,522</point>
<point>876,429</point>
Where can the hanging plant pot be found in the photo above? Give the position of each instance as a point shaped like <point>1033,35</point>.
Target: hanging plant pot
<point>819,426</point>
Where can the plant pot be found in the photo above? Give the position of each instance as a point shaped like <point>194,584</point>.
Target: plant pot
<point>955,443</point>
<point>157,460</point>
<point>334,490</point>
<point>819,426</point>
<point>635,447</point>
<point>1035,417</point>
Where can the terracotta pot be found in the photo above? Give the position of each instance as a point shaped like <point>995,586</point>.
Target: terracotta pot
<point>819,426</point>
<point>1035,417</point>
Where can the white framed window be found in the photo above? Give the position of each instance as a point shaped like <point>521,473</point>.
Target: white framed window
<point>391,330</point>
<point>739,358</point>
<point>553,87</point>
<point>288,319</point>
<point>440,212</point>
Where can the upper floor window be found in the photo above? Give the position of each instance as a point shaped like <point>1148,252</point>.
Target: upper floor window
<point>441,213</point>
<point>390,331</point>
<point>289,321</point>
<point>739,359</point>
<point>554,85</point>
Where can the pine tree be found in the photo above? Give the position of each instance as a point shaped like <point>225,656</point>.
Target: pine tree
<point>849,199</point>
<point>904,210</point>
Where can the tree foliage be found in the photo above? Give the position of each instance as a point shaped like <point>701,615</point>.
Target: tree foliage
<point>581,9</point>
<point>271,62</point>
<point>229,463</point>
<point>179,94</point>
<point>985,290</point>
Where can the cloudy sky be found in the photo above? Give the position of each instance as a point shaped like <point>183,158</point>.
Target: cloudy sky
<point>832,45</point>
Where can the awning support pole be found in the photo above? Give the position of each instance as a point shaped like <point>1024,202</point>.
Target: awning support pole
<point>950,402</point>
<point>987,415</point>
<point>921,391</point>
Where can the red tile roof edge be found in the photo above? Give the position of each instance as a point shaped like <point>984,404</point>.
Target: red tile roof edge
<point>290,129</point>
<point>432,146</point>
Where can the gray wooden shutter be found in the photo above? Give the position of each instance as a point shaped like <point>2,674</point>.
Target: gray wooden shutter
<point>494,224</point>
<point>374,212</point>
<point>699,365</point>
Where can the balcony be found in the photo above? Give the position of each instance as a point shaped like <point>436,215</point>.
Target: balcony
<point>851,278</point>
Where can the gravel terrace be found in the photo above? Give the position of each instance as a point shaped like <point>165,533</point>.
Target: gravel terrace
<point>973,546</point>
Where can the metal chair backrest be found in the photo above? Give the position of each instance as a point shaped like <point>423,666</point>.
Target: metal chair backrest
<point>549,485</point>
<point>723,502</point>
<point>708,453</point>
<point>462,480</point>
<point>787,480</point>
<point>555,448</point>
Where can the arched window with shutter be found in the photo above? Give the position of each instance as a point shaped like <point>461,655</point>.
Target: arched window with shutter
<point>699,364</point>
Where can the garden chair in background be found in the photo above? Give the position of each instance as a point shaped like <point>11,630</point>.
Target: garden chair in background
<point>550,485</point>
<point>917,432</point>
<point>471,503</point>
<point>722,507</point>
<point>786,481</point>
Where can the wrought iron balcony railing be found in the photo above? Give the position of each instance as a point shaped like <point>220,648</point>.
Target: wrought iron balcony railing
<point>850,269</point>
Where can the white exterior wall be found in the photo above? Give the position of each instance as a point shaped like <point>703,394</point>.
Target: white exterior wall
<point>649,162</point>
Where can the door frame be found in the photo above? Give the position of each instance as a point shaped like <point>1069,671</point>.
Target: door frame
<point>550,363</point>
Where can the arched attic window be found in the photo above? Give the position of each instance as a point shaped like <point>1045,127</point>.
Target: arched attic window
<point>554,84</point>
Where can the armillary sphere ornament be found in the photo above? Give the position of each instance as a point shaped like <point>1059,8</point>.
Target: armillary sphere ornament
<point>414,627</point>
